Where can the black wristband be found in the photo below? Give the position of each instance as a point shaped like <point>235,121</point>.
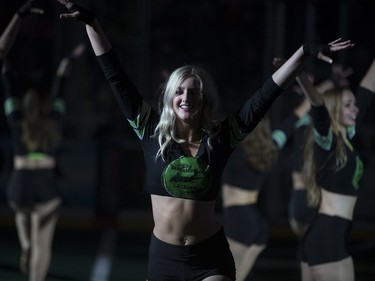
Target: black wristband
<point>84,15</point>
<point>313,49</point>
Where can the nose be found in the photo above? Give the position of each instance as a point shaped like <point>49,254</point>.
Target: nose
<point>186,95</point>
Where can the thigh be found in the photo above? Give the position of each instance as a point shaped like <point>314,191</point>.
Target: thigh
<point>306,274</point>
<point>335,271</point>
<point>44,215</point>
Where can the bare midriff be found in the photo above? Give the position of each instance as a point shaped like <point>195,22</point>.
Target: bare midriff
<point>33,161</point>
<point>233,196</point>
<point>181,221</point>
<point>334,204</point>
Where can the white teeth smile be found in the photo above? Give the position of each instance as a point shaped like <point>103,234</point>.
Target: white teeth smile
<point>185,106</point>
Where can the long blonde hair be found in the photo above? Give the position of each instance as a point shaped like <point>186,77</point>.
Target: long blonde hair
<point>260,149</point>
<point>166,128</point>
<point>333,103</point>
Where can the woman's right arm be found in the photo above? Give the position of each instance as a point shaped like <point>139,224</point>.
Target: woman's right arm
<point>8,36</point>
<point>130,101</point>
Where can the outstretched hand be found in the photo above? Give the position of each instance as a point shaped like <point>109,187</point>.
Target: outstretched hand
<point>28,8</point>
<point>76,12</point>
<point>322,51</point>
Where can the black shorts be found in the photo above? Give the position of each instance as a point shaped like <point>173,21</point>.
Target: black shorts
<point>27,187</point>
<point>325,240</point>
<point>210,257</point>
<point>245,224</point>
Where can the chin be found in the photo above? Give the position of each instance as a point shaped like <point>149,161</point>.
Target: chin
<point>350,124</point>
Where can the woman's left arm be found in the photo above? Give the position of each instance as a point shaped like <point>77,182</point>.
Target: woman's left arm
<point>9,34</point>
<point>368,81</point>
<point>293,66</point>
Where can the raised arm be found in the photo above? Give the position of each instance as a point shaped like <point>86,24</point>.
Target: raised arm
<point>293,66</point>
<point>126,94</point>
<point>8,36</point>
<point>64,69</point>
<point>368,81</point>
<point>98,39</point>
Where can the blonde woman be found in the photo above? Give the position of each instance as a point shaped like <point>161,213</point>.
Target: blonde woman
<point>185,151</point>
<point>36,130</point>
<point>332,172</point>
<point>300,211</point>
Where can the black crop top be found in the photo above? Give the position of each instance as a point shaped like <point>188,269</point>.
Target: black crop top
<point>346,180</point>
<point>199,177</point>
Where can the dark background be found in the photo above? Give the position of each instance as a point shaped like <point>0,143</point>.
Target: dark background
<point>236,40</point>
<point>102,172</point>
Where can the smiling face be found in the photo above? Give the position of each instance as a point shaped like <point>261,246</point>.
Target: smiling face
<point>349,110</point>
<point>188,101</point>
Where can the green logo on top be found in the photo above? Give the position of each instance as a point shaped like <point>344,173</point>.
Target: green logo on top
<point>187,177</point>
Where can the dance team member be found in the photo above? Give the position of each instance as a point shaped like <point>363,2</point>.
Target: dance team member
<point>36,129</point>
<point>245,173</point>
<point>185,151</point>
<point>332,171</point>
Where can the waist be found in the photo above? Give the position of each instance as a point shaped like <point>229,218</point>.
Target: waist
<point>334,204</point>
<point>183,221</point>
<point>201,247</point>
<point>237,196</point>
<point>34,160</point>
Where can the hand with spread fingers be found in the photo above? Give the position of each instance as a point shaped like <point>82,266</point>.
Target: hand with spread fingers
<point>322,51</point>
<point>76,12</point>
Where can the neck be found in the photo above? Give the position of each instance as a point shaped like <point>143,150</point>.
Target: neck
<point>189,132</point>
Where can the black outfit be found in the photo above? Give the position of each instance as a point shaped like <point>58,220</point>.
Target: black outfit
<point>245,223</point>
<point>29,186</point>
<point>196,178</point>
<point>193,262</point>
<point>330,247</point>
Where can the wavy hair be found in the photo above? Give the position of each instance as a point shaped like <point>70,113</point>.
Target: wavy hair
<point>39,130</point>
<point>260,149</point>
<point>166,128</point>
<point>333,103</point>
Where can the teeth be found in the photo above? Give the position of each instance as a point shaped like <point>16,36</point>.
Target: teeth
<point>185,106</point>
